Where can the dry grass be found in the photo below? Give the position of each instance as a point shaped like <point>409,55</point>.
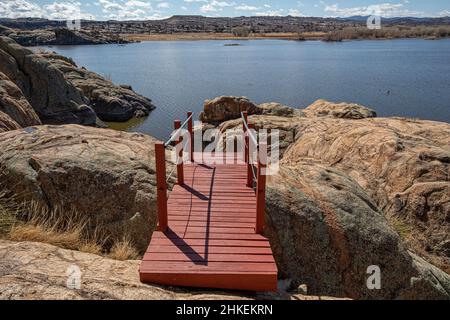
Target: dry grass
<point>66,229</point>
<point>123,250</point>
<point>69,239</point>
<point>7,214</point>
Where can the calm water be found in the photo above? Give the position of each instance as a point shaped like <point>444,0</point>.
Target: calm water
<point>409,78</point>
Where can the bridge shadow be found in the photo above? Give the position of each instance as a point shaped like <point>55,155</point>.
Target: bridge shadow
<point>178,241</point>
<point>196,193</point>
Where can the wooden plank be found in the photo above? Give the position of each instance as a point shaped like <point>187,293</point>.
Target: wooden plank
<point>235,281</point>
<point>186,217</point>
<point>213,213</point>
<point>210,267</point>
<point>201,249</point>
<point>249,211</point>
<point>207,258</point>
<point>211,242</point>
<point>217,236</point>
<point>203,223</point>
<point>210,230</point>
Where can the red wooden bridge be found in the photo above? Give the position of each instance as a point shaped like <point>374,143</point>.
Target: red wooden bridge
<point>210,227</point>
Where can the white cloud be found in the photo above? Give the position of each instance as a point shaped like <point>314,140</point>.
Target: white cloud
<point>62,10</point>
<point>245,7</point>
<point>139,4</point>
<point>163,5</point>
<point>66,11</point>
<point>215,6</point>
<point>383,9</point>
<point>20,9</point>
<point>130,10</point>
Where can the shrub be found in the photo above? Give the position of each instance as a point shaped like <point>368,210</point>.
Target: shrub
<point>241,31</point>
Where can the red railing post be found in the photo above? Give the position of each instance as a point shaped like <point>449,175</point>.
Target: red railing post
<point>161,185</point>
<point>249,142</point>
<point>191,135</point>
<point>261,188</point>
<point>179,156</point>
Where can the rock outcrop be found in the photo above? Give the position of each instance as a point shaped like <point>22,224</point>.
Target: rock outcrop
<point>325,231</point>
<point>64,36</point>
<point>403,165</point>
<point>15,106</point>
<point>277,109</point>
<point>226,108</point>
<point>361,181</point>
<point>54,99</point>
<point>323,108</point>
<point>7,123</point>
<point>62,93</point>
<point>109,101</point>
<point>60,36</point>
<point>106,175</point>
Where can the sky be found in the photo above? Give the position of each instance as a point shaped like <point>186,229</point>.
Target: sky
<point>160,9</point>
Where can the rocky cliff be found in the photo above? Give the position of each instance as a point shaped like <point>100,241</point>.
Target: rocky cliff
<point>60,36</point>
<point>15,110</point>
<point>109,101</point>
<point>62,93</point>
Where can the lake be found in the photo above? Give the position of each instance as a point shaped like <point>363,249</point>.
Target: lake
<point>408,78</point>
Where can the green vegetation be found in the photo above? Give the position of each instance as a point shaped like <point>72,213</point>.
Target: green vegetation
<point>389,32</point>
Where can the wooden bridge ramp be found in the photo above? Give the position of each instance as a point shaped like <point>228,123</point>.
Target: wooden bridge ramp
<point>208,237</point>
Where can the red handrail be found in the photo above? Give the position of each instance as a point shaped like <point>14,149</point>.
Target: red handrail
<point>261,171</point>
<point>160,159</point>
<point>261,189</point>
<point>161,185</point>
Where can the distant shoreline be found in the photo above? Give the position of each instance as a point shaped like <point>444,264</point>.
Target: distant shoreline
<point>219,36</point>
<point>310,36</point>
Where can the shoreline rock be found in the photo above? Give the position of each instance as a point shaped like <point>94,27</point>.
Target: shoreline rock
<point>117,103</point>
<point>61,36</point>
<point>62,93</point>
<point>15,111</point>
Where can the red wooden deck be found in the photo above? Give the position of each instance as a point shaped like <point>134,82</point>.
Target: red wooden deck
<point>210,240</point>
